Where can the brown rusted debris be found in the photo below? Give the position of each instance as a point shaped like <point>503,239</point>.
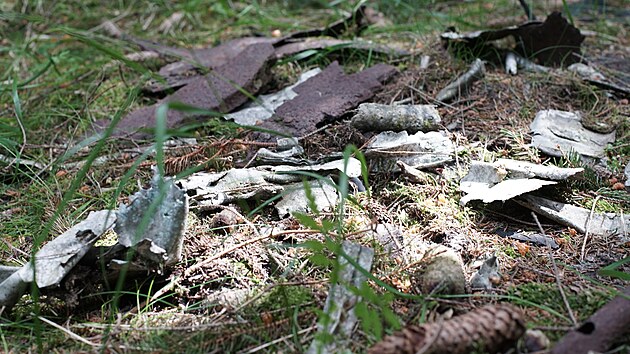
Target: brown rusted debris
<point>493,328</point>
<point>554,42</point>
<point>181,73</point>
<point>219,91</point>
<point>600,331</point>
<point>194,62</point>
<point>325,98</point>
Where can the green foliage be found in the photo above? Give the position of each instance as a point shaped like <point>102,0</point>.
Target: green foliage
<point>611,270</point>
<point>584,302</point>
<point>618,154</point>
<point>284,297</point>
<point>588,180</point>
<point>374,310</point>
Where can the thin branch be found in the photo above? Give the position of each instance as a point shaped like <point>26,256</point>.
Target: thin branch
<point>68,332</point>
<point>588,228</point>
<point>278,340</point>
<point>557,275</point>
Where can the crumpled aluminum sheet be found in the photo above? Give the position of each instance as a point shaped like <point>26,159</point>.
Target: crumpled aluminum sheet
<point>506,179</point>
<point>56,258</point>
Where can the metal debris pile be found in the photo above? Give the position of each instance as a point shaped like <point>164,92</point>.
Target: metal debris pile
<point>405,140</point>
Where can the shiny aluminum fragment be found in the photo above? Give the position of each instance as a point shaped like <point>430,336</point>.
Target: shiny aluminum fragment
<point>558,133</point>
<point>506,179</point>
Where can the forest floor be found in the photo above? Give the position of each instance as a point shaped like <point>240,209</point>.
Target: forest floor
<point>60,73</point>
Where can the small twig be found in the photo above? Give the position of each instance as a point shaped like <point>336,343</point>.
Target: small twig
<point>68,332</point>
<point>532,269</point>
<point>23,145</point>
<point>403,101</point>
<point>20,161</point>
<point>552,328</point>
<point>556,274</point>
<point>513,218</point>
<point>316,131</point>
<point>271,286</point>
<point>623,224</point>
<point>204,262</point>
<point>15,249</point>
<point>429,98</point>
<point>278,340</point>
<point>588,228</point>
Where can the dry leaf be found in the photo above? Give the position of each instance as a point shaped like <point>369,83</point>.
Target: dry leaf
<point>266,318</point>
<point>522,248</point>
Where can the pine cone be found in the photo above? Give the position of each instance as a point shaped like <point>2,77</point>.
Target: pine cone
<point>493,328</point>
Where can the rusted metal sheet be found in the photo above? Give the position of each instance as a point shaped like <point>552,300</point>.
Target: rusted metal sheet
<point>183,72</point>
<point>326,97</point>
<point>221,90</point>
<point>600,331</point>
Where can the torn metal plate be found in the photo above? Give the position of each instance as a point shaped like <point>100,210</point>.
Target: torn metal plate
<point>420,150</point>
<point>226,187</point>
<point>524,169</point>
<point>351,167</point>
<point>506,179</point>
<point>264,107</point>
<point>265,156</point>
<point>164,229</point>
<point>263,182</point>
<point>591,75</point>
<point>341,317</point>
<point>486,275</point>
<point>56,258</point>
<point>554,42</point>
<point>557,133</point>
<point>531,237</point>
<point>324,196</point>
<point>579,218</point>
<point>501,191</point>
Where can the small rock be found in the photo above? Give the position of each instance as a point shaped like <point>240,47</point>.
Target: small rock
<point>535,341</point>
<point>443,272</point>
<point>487,275</point>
